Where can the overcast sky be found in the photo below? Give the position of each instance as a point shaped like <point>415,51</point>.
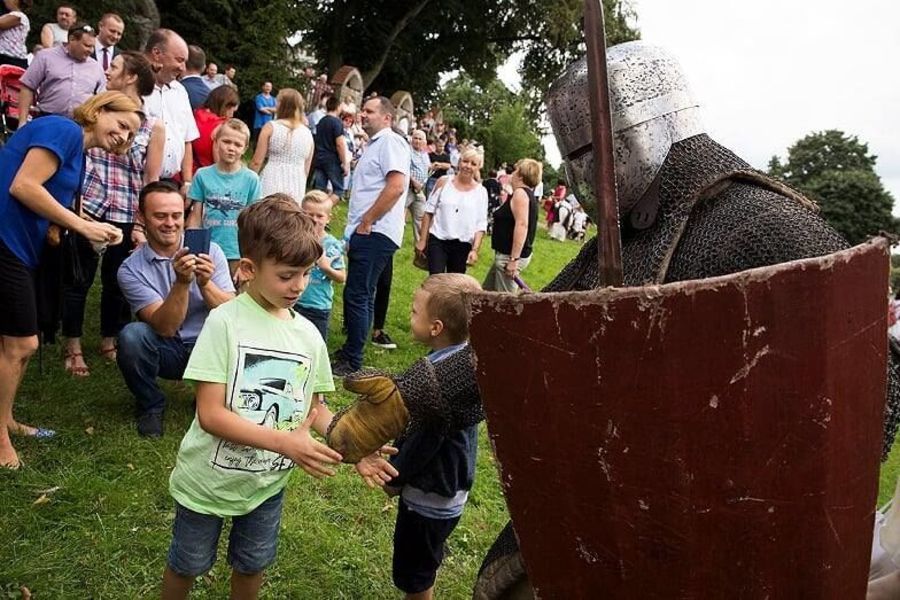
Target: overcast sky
<point>769,72</point>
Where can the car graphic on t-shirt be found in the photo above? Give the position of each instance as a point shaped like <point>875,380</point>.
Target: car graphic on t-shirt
<point>270,402</point>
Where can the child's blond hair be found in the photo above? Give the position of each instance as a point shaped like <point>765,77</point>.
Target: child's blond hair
<point>316,197</point>
<point>449,301</point>
<point>234,125</point>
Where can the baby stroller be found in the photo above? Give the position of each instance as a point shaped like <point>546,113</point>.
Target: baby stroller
<point>10,86</point>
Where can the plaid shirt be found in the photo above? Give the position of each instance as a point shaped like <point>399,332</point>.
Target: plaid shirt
<point>112,182</point>
<point>419,165</point>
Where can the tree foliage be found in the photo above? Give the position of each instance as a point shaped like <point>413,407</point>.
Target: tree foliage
<point>407,45</point>
<point>838,172</point>
<point>491,114</point>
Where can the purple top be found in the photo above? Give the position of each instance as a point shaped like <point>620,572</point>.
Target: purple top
<point>146,277</point>
<point>63,82</point>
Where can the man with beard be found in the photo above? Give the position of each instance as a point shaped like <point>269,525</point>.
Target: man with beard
<point>375,224</point>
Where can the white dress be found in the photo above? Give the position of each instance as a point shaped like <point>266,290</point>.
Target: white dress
<point>285,170</point>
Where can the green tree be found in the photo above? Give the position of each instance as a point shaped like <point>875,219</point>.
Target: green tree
<point>837,171</point>
<point>509,136</point>
<point>469,104</point>
<point>407,45</point>
<point>250,34</point>
<point>493,115</point>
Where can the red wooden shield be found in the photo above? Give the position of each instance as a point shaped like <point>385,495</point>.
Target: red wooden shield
<point>716,438</point>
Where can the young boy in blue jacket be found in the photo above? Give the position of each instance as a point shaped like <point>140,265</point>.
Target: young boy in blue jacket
<point>437,468</point>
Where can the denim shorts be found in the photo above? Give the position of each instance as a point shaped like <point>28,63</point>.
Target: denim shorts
<point>252,543</point>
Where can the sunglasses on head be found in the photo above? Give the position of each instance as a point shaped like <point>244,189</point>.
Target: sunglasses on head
<point>82,29</point>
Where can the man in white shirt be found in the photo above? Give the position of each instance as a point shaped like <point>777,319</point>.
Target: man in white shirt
<point>168,52</point>
<point>211,78</point>
<point>375,223</point>
<point>56,34</point>
<point>109,32</point>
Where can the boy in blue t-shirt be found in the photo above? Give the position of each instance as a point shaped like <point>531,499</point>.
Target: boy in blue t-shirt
<point>317,299</point>
<point>221,191</point>
<point>437,468</point>
<point>259,371</point>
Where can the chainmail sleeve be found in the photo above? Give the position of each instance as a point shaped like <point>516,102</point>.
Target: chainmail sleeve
<point>443,395</point>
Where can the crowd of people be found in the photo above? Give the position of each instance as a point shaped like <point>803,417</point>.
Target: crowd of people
<point>224,273</point>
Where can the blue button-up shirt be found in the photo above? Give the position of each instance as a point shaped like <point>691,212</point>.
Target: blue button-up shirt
<point>147,278</point>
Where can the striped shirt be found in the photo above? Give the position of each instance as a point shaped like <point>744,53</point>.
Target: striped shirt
<point>112,182</point>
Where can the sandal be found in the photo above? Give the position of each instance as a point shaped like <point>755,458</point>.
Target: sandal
<point>39,432</point>
<point>110,353</point>
<point>73,369</point>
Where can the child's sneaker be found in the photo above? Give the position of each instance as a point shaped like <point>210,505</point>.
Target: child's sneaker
<point>383,340</point>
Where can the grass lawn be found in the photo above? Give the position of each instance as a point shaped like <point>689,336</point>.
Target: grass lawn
<point>90,514</point>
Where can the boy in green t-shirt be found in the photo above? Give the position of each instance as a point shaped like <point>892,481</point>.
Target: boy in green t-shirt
<point>260,370</point>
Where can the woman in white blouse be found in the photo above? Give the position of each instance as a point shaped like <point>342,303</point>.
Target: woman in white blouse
<point>455,218</point>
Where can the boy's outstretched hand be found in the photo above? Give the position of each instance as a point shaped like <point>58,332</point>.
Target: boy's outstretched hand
<point>375,468</point>
<point>310,454</point>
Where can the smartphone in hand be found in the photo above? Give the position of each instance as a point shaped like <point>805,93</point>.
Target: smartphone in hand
<point>197,240</point>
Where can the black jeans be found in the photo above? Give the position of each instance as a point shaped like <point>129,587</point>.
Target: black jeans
<point>114,310</point>
<point>383,295</point>
<point>446,256</point>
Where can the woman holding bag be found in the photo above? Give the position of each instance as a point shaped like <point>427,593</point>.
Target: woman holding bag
<point>40,172</point>
<point>455,218</point>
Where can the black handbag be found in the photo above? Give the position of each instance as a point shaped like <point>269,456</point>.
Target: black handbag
<point>76,271</point>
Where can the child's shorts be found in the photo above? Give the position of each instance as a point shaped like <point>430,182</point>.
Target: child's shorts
<point>418,549</point>
<point>252,543</point>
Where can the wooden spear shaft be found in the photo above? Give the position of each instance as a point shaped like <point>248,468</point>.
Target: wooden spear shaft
<point>604,174</point>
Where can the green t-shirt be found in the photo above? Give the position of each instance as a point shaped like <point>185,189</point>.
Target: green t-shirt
<point>271,368</point>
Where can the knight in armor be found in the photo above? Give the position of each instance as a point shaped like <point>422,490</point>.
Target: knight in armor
<point>689,209</point>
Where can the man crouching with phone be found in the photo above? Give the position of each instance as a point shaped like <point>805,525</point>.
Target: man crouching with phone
<point>171,290</point>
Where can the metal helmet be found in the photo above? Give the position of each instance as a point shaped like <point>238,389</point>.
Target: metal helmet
<point>652,108</point>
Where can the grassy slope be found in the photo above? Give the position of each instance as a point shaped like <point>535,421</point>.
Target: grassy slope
<point>104,533</point>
